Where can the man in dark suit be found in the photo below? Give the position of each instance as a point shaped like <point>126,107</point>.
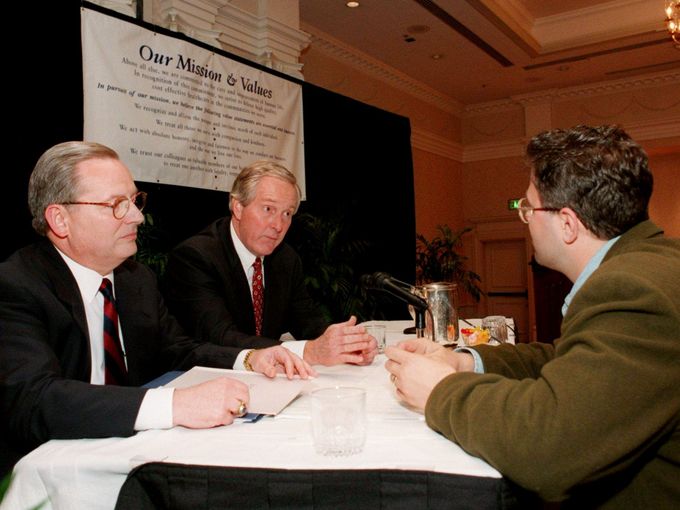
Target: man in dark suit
<point>210,285</point>
<point>54,357</point>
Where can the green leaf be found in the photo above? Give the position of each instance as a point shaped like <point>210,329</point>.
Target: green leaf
<point>438,259</point>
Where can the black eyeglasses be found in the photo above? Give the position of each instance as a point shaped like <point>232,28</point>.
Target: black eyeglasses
<point>526,211</point>
<point>120,205</point>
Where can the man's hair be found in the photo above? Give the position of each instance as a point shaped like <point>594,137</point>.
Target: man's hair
<point>54,180</point>
<point>598,172</point>
<point>245,185</point>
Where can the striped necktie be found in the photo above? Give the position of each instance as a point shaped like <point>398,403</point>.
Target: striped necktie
<point>258,295</point>
<point>115,371</point>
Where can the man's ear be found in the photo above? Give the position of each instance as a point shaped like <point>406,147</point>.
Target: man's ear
<point>57,220</point>
<point>236,209</point>
<point>571,225</point>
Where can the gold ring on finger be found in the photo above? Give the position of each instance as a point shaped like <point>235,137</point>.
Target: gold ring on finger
<point>241,411</point>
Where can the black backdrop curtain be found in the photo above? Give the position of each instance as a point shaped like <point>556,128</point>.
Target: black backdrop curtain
<point>358,158</point>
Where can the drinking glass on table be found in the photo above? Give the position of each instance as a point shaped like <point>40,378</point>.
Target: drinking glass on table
<point>338,420</point>
<point>377,331</point>
<point>497,328</point>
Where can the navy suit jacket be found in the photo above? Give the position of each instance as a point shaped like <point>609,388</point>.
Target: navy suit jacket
<point>207,290</point>
<point>45,351</point>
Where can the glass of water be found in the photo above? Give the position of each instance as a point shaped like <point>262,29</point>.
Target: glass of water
<point>497,328</point>
<point>338,420</point>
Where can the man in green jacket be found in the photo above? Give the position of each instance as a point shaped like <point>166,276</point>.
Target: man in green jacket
<point>593,419</point>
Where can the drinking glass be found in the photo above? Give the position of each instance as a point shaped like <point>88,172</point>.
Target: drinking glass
<point>377,331</point>
<point>339,420</point>
<point>497,327</point>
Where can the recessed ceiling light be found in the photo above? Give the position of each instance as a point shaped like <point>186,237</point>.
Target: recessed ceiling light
<point>437,56</point>
<point>352,5</point>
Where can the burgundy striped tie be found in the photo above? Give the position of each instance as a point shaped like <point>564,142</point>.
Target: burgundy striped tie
<point>115,371</point>
<point>258,295</point>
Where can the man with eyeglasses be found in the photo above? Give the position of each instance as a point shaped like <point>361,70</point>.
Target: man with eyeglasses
<point>593,419</point>
<point>83,326</point>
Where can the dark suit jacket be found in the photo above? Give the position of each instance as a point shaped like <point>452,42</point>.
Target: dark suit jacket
<point>45,351</point>
<point>207,290</point>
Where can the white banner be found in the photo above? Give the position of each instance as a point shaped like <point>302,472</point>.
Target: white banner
<point>179,114</point>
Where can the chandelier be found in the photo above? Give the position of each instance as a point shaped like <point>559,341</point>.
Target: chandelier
<point>673,20</point>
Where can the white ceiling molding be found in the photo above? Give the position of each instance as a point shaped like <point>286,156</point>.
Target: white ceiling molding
<point>567,93</point>
<point>667,127</point>
<point>195,14</point>
<point>263,40</point>
<point>127,7</point>
<point>259,39</point>
<point>597,24</point>
<point>262,33</point>
<point>494,150</point>
<point>366,64</point>
<point>424,140</point>
<point>177,23</point>
<point>625,84</point>
<point>500,106</point>
<point>542,97</point>
<point>658,129</point>
<point>518,22</point>
<point>516,9</point>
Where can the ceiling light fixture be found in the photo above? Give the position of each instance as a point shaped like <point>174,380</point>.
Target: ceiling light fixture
<point>673,20</point>
<point>352,5</point>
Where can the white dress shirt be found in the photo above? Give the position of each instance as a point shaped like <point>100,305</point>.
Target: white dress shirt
<point>247,259</point>
<point>156,409</point>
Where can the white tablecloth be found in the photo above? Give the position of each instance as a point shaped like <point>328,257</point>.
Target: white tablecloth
<point>88,473</point>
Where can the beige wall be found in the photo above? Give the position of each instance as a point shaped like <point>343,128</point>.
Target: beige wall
<point>664,208</point>
<point>629,108</point>
<point>505,124</point>
<point>448,191</point>
<point>467,158</point>
<point>440,192</point>
<point>489,184</point>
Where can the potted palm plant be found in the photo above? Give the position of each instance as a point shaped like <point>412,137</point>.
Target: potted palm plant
<point>438,260</point>
<point>329,255</point>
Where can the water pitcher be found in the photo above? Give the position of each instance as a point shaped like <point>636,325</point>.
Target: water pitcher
<point>442,300</point>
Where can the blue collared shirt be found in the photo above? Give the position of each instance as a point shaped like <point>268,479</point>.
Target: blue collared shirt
<point>590,268</point>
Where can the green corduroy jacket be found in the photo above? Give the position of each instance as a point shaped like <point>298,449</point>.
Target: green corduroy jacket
<point>595,418</point>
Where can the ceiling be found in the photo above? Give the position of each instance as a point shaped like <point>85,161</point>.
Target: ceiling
<point>494,49</point>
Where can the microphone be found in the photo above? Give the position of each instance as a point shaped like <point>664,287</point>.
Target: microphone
<point>383,281</point>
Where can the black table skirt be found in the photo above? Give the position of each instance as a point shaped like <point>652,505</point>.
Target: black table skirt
<point>179,486</point>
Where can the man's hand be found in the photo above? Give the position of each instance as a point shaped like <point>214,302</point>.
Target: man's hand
<point>344,342</point>
<point>279,359</point>
<point>209,404</point>
<point>459,361</point>
<point>420,346</point>
<point>415,375</point>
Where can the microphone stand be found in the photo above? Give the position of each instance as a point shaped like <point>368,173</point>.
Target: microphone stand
<point>420,323</point>
<point>398,289</point>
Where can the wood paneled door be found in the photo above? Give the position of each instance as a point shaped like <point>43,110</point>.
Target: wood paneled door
<point>502,254</point>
